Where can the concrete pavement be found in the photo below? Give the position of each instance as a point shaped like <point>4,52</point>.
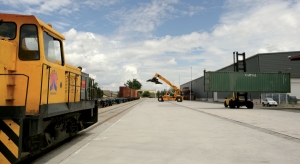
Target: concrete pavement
<point>189,132</point>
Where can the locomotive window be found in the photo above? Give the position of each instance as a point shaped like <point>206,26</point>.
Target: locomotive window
<point>8,30</point>
<point>52,49</point>
<point>29,47</point>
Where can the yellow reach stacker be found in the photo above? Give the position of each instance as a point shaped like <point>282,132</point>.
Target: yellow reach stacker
<point>177,91</point>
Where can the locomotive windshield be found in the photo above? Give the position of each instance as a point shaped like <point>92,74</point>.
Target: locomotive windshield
<point>52,49</point>
<point>8,30</point>
<point>29,48</point>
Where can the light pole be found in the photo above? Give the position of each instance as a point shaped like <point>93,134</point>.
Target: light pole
<point>179,81</point>
<point>191,86</point>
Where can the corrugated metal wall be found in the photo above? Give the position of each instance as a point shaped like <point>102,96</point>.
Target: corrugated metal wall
<point>197,88</point>
<point>279,62</point>
<point>267,62</point>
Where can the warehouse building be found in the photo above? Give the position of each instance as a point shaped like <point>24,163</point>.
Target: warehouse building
<point>263,62</point>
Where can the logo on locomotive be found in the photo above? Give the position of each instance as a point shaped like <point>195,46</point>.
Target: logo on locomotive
<point>53,81</point>
<point>83,85</point>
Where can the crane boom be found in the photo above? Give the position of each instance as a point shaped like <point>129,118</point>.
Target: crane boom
<point>177,91</point>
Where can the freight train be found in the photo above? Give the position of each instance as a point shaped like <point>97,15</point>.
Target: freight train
<point>41,101</point>
<point>126,94</point>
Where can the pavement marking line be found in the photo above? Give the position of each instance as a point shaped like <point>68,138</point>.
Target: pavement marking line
<point>84,146</point>
<point>277,134</point>
<point>103,121</point>
<point>114,123</point>
<point>73,154</point>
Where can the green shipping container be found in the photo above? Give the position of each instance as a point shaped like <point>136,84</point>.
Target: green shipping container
<point>247,82</point>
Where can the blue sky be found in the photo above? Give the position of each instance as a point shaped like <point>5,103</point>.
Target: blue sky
<point>117,40</point>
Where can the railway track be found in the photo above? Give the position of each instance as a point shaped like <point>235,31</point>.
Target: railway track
<point>109,114</point>
<point>105,114</point>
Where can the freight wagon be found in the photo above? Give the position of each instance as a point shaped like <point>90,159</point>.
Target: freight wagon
<point>128,93</point>
<point>125,94</point>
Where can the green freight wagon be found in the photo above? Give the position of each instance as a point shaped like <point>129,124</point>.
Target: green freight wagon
<point>247,82</point>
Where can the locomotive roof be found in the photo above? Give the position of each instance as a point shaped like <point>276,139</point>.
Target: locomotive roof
<point>18,18</point>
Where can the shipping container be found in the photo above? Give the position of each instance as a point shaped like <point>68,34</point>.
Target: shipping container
<point>127,92</point>
<point>124,92</point>
<point>247,82</point>
<point>134,93</point>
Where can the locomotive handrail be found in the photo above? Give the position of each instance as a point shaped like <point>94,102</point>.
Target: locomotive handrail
<point>48,67</point>
<point>92,88</point>
<point>85,90</point>
<point>25,103</point>
<point>69,73</point>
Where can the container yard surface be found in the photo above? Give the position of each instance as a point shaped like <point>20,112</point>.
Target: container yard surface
<point>189,132</point>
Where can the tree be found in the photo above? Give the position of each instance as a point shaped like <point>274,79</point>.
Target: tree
<point>134,84</point>
<point>99,92</point>
<point>140,93</point>
<point>146,94</point>
<point>157,93</point>
<point>163,92</point>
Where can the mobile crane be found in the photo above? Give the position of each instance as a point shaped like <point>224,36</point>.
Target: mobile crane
<point>177,91</point>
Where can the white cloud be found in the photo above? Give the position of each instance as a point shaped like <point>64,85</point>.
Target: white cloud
<point>172,62</point>
<point>193,10</point>
<point>144,18</point>
<point>270,28</point>
<point>261,26</point>
<point>40,6</point>
<point>71,34</point>
<point>250,26</point>
<point>97,3</point>
<point>130,69</point>
<point>60,25</point>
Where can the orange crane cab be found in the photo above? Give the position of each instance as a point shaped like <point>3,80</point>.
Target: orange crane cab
<point>177,91</point>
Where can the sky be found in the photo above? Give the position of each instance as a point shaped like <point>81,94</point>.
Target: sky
<point>119,40</point>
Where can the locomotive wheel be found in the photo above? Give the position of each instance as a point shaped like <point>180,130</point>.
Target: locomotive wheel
<point>72,127</point>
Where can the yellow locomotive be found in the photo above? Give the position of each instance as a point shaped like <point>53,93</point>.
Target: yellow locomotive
<point>41,100</point>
